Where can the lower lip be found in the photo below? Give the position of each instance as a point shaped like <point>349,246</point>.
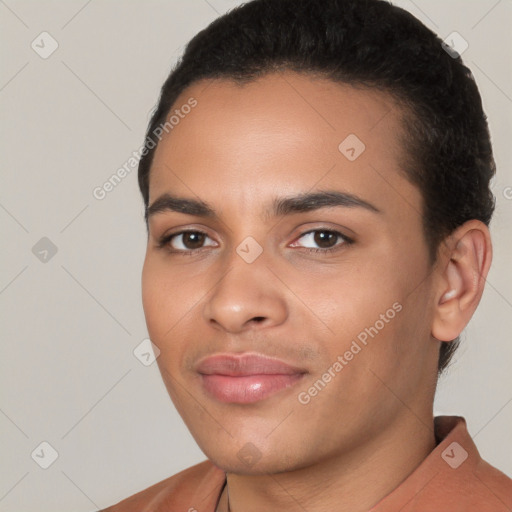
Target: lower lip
<point>247,389</point>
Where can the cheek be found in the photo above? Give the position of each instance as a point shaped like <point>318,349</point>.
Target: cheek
<point>150,295</point>
<point>384,345</point>
<point>365,307</point>
<point>158,299</point>
<point>351,297</point>
<point>170,300</point>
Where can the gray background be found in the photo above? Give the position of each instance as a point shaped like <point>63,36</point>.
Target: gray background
<point>70,323</point>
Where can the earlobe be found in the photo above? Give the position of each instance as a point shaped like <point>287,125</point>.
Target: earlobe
<point>462,281</point>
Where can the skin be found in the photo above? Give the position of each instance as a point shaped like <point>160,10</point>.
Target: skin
<point>241,147</point>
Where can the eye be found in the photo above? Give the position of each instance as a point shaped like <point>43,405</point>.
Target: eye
<point>190,241</point>
<point>325,240</point>
<point>184,241</point>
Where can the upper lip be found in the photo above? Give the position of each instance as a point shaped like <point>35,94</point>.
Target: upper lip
<point>236,365</point>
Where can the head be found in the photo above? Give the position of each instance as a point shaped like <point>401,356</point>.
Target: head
<point>333,162</point>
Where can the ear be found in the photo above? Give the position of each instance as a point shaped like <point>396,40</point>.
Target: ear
<point>464,263</point>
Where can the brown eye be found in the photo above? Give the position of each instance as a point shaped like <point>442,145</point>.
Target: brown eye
<point>325,239</point>
<point>322,240</point>
<point>185,241</point>
<point>193,239</point>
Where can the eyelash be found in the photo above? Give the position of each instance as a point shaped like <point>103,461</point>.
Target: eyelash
<point>165,241</point>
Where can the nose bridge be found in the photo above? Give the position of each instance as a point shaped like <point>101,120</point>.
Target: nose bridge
<point>246,292</point>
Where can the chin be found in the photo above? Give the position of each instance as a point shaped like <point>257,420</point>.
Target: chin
<point>250,461</point>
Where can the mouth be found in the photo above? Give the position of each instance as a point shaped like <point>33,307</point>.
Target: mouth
<point>246,378</point>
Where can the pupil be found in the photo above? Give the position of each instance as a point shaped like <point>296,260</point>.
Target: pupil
<point>321,237</point>
<point>193,240</point>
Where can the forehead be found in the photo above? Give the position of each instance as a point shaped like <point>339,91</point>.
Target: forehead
<point>286,129</point>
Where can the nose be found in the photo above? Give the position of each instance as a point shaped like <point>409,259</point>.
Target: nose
<point>248,296</point>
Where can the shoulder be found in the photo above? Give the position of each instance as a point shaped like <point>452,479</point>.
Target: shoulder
<point>464,480</point>
<point>481,485</point>
<point>193,488</point>
<point>492,486</point>
<point>453,478</point>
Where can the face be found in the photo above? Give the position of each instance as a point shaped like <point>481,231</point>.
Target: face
<point>293,315</point>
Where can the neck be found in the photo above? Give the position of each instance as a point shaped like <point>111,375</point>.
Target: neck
<point>354,481</point>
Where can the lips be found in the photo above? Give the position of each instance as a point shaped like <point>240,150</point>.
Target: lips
<point>246,378</point>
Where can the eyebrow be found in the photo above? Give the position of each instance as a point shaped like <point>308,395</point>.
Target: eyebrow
<point>280,206</point>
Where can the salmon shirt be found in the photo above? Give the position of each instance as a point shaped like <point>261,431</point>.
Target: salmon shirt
<point>453,478</point>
